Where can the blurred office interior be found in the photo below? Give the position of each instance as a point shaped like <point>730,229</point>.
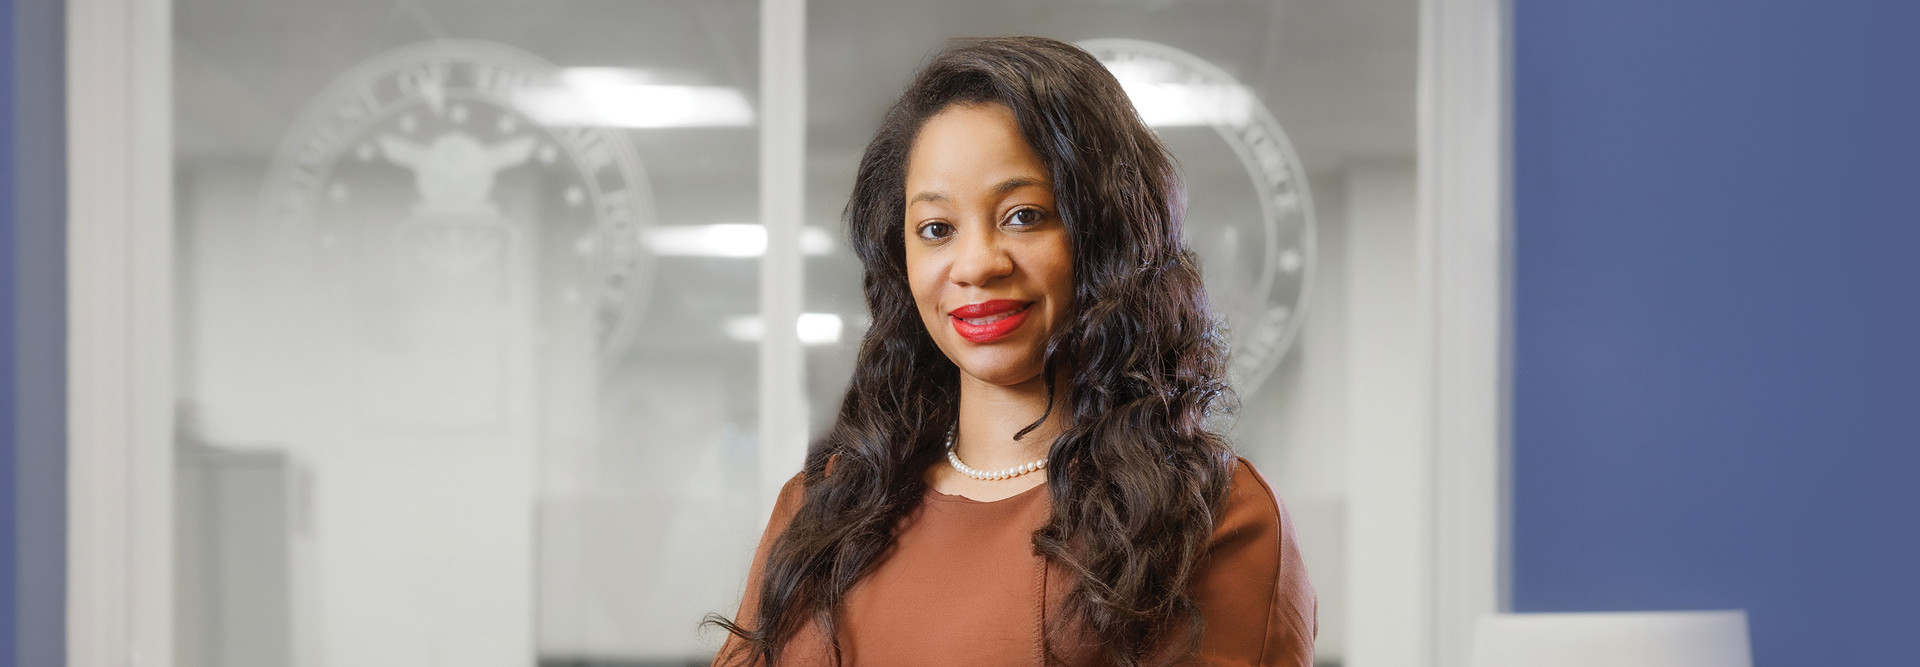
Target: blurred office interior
<point>470,359</point>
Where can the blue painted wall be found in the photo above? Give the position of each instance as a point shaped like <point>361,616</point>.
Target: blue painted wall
<point>9,608</point>
<point>1717,270</point>
<point>32,334</point>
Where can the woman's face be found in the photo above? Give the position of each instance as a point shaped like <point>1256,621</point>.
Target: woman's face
<point>990,263</point>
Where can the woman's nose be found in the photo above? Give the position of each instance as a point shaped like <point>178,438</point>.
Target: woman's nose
<point>980,259</point>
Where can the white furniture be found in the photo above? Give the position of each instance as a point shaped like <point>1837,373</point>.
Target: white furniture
<point>1618,639</point>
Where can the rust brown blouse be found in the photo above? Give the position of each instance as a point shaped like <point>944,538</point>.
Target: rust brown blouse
<point>963,586</point>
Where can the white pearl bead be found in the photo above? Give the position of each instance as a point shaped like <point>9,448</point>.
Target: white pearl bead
<point>953,459</point>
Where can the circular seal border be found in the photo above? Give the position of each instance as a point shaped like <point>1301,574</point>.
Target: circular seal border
<point>1266,177</point>
<point>287,194</point>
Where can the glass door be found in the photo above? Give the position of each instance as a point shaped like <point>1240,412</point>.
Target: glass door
<point>466,374</point>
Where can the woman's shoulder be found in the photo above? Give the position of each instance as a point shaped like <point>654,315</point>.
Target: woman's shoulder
<point>1254,590</point>
<point>785,506</point>
<point>1251,505</point>
<point>795,490</point>
<point>1253,542</point>
<point>794,493</point>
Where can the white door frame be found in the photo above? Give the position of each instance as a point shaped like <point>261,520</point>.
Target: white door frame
<point>1466,237</point>
<point>120,350</point>
<point>119,333</point>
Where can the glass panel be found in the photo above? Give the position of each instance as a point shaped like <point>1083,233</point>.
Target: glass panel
<point>466,375</point>
<point>1294,125</point>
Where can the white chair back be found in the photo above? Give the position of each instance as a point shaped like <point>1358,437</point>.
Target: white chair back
<point>1615,639</point>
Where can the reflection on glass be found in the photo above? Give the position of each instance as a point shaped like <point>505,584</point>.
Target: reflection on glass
<point>456,287</point>
<point>1256,247</point>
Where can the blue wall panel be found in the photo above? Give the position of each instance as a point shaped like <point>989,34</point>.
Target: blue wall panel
<point>1717,267</point>
<point>32,334</point>
<point>9,508</point>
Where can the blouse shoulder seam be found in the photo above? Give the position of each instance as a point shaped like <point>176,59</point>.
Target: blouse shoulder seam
<point>1266,631</point>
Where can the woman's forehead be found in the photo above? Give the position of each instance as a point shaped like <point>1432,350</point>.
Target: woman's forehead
<point>971,150</point>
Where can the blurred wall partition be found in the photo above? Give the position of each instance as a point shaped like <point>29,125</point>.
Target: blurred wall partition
<point>471,362</point>
<point>463,297</point>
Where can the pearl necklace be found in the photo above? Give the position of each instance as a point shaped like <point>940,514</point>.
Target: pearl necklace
<point>983,475</point>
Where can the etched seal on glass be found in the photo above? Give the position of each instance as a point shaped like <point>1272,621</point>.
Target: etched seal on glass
<point>460,238</point>
<point>1250,215</point>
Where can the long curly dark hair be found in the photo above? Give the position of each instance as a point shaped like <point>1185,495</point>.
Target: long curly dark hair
<point>1139,468</point>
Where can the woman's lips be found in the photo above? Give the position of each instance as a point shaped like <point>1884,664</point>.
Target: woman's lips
<point>990,320</point>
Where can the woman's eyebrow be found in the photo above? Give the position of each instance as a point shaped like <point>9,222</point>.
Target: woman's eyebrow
<point>1004,187</point>
<point>1012,184</point>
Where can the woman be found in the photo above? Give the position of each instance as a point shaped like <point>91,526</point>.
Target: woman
<point>1025,468</point>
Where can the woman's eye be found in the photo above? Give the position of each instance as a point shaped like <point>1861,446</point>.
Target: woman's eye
<point>1027,217</point>
<point>934,231</point>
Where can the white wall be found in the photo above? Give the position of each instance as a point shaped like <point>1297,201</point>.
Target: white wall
<point>1339,415</point>
<point>1386,423</point>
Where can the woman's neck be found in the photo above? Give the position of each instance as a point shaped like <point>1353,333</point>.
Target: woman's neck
<point>991,414</point>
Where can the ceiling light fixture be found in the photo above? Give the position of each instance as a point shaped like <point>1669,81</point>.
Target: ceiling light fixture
<point>632,98</point>
<point>725,240</point>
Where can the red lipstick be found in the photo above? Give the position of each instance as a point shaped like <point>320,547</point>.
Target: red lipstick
<point>990,320</point>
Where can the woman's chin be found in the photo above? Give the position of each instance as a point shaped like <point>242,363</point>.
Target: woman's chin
<point>1001,372</point>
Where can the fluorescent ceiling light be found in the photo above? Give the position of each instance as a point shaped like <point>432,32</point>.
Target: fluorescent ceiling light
<point>726,240</point>
<point>813,328</point>
<point>635,98</point>
<point>1165,101</point>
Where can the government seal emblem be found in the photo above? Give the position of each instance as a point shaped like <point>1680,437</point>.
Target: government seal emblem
<point>1249,216</point>
<point>457,235</point>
